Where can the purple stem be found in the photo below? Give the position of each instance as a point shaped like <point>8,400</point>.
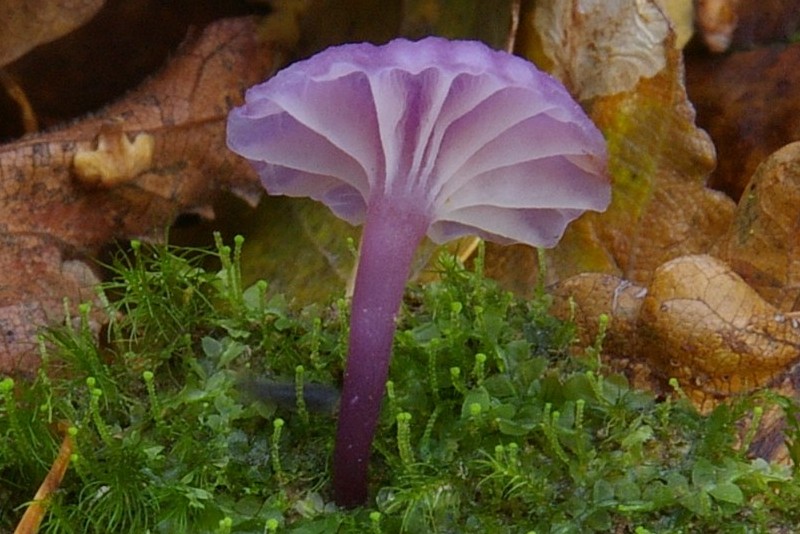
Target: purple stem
<point>390,238</point>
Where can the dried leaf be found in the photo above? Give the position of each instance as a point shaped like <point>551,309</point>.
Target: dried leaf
<point>744,101</point>
<point>697,321</point>
<point>25,24</point>
<point>599,48</point>
<point>763,243</point>
<point>35,277</point>
<point>659,159</point>
<point>720,329</point>
<point>704,325</point>
<point>584,298</point>
<point>183,111</point>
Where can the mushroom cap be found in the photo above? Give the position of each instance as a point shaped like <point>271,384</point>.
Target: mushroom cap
<point>480,141</point>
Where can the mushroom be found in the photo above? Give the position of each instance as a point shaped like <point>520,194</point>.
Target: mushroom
<point>437,137</point>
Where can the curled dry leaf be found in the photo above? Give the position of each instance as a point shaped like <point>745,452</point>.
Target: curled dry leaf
<point>180,115</point>
<point>25,24</point>
<point>599,47</point>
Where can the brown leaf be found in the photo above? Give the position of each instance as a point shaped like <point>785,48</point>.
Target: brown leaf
<point>182,113</point>
<point>718,333</point>
<point>702,324</point>
<point>763,243</point>
<point>584,298</point>
<point>183,109</point>
<point>25,24</point>
<point>746,103</point>
<point>765,22</point>
<point>36,274</point>
<point>697,321</point>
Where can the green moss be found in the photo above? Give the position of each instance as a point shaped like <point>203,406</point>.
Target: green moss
<point>490,425</point>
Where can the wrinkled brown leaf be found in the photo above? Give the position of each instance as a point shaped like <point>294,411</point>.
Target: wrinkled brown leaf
<point>704,325</point>
<point>25,24</point>
<point>182,111</point>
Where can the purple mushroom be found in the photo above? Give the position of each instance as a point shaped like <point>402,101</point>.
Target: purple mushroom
<point>434,137</point>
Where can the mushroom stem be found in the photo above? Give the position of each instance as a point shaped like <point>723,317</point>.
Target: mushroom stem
<point>390,238</point>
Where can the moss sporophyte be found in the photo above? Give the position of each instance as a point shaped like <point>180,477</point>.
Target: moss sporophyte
<point>489,424</point>
<point>434,137</point>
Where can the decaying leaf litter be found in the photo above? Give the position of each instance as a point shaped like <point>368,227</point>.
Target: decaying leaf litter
<point>126,171</point>
<point>663,218</point>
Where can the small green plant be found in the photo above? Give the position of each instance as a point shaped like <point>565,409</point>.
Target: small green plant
<point>491,422</point>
